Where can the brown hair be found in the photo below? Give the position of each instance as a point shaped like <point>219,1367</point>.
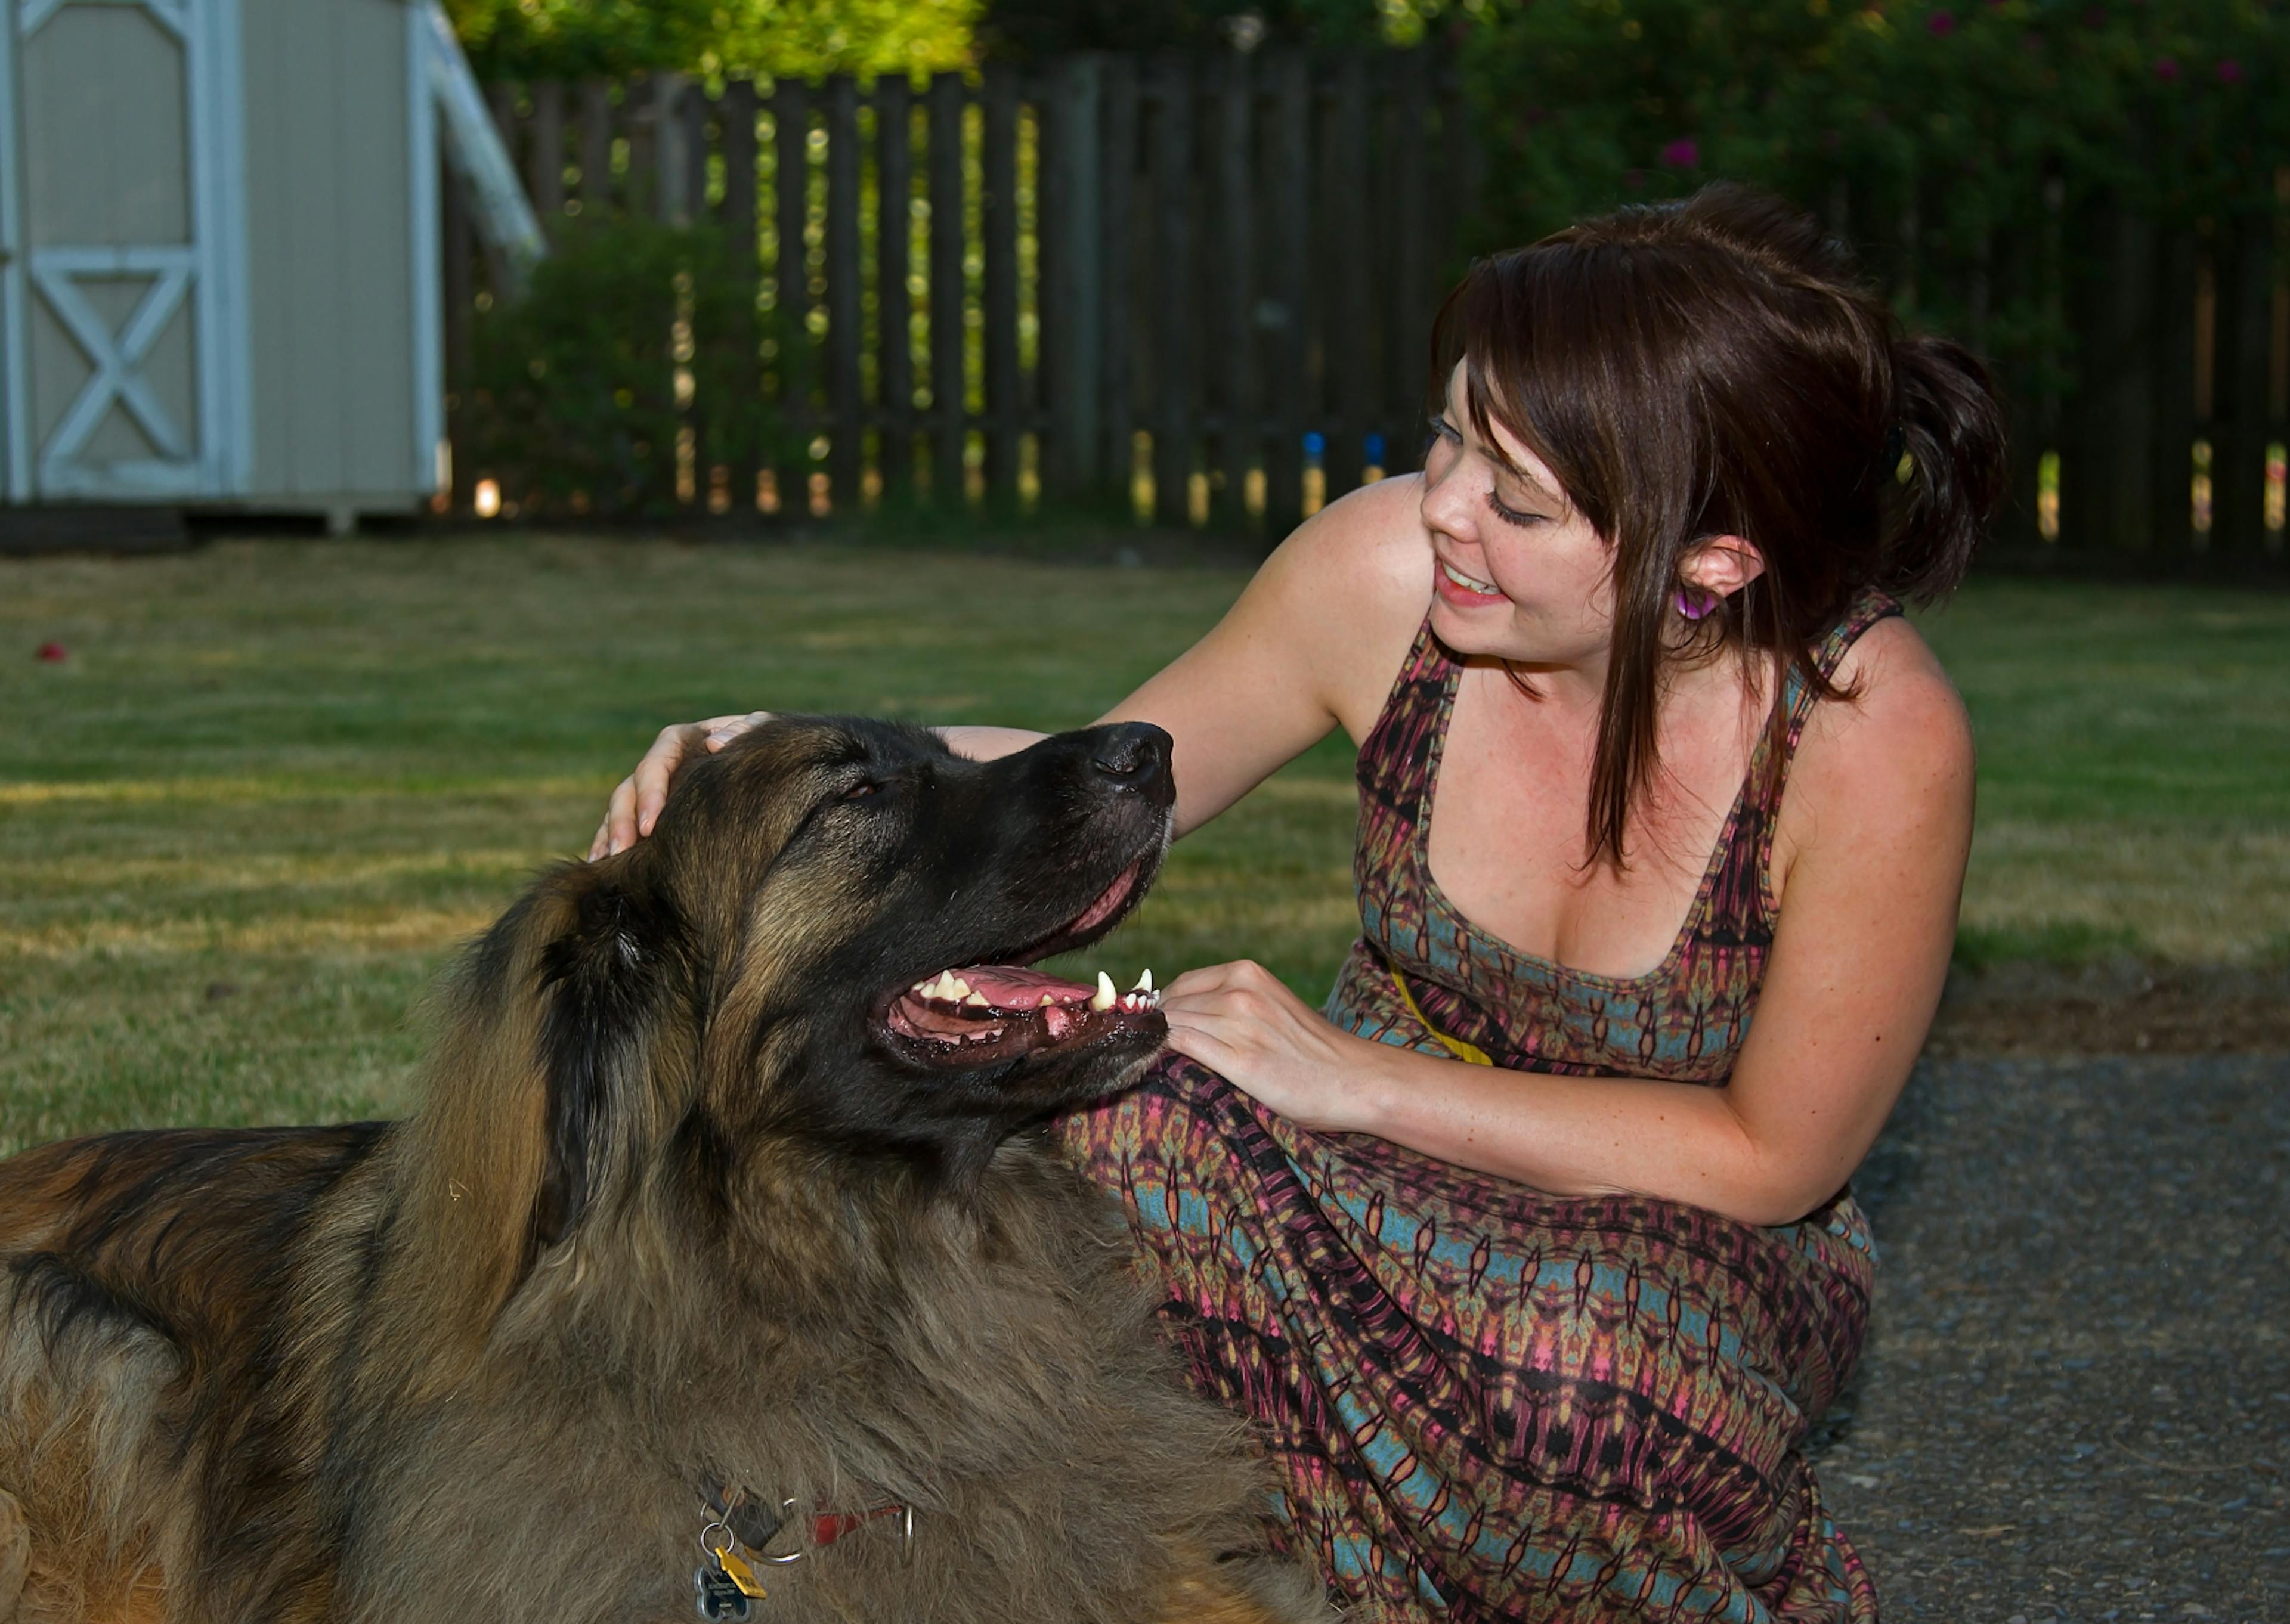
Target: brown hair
<point>1715,366</point>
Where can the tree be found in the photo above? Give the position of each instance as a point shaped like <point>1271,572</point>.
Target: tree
<point>568,39</point>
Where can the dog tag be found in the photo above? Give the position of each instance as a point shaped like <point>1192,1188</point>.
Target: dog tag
<point>717,1597</point>
<point>739,1573</point>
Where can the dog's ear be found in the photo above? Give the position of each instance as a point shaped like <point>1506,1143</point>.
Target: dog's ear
<point>552,1077</point>
<point>605,983</point>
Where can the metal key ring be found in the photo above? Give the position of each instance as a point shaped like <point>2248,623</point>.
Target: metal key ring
<point>787,1516</point>
<point>730,1540</point>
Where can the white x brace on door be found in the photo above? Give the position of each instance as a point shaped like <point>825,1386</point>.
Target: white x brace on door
<point>122,224</point>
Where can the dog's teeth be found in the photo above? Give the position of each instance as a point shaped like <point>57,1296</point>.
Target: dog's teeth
<point>957,988</point>
<point>976,1001</point>
<point>1144,983</point>
<point>943,987</point>
<point>1048,1002</point>
<point>1103,999</point>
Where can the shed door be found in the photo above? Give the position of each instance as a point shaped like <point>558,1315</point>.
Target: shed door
<point>128,361</point>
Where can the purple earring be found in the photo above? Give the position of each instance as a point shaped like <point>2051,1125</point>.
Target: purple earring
<point>1693,606</point>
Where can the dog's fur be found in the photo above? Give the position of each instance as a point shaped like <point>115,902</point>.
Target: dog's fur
<point>678,1208</point>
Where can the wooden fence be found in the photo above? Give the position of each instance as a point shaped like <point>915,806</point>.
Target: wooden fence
<point>1209,278</point>
<point>2145,363</point>
<point>1208,282</point>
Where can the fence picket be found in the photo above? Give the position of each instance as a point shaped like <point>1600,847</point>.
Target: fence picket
<point>1172,288</point>
<point>544,166</point>
<point>845,434</point>
<point>1237,443</point>
<point>791,288</point>
<point>735,123</point>
<point>1120,326</point>
<point>1349,339</point>
<point>1288,265</point>
<point>947,484</point>
<point>894,375</point>
<point>1413,293</point>
<point>2127,470</point>
<point>2244,339</point>
<point>2171,524</point>
<point>998,221</point>
<point>595,147</point>
<point>1076,344</point>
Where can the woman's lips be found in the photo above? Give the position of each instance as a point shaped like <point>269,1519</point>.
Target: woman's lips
<point>1464,591</point>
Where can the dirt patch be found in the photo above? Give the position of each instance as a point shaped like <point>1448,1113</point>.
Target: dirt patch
<point>2122,1007</point>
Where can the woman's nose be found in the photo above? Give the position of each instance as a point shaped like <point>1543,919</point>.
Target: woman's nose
<point>1447,505</point>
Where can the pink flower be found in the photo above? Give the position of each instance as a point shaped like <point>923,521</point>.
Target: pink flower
<point>2167,68</point>
<point>2230,72</point>
<point>1681,153</point>
<point>1942,23</point>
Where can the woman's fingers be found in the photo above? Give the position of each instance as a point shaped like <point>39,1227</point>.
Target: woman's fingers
<point>1199,1043</point>
<point>722,730</point>
<point>659,765</point>
<point>636,801</point>
<point>618,832</point>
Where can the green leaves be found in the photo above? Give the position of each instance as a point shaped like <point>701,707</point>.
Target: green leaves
<point>2178,108</point>
<point>572,39</point>
<point>634,338</point>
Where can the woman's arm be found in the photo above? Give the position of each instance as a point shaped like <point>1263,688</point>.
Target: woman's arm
<point>1312,642</point>
<point>1881,803</point>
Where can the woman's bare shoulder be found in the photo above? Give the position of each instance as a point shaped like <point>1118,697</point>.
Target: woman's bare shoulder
<point>1350,586</point>
<point>1897,752</point>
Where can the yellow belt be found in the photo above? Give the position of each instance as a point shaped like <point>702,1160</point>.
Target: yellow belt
<point>1456,1047</point>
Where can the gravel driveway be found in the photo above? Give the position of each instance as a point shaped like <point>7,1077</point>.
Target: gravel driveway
<point>2075,1402</point>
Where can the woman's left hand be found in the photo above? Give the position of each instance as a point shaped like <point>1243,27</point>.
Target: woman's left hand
<point>1241,1021</point>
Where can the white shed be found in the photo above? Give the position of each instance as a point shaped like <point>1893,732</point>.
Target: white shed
<point>219,255</point>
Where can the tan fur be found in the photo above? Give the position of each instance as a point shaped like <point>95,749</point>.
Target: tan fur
<point>332,1374</point>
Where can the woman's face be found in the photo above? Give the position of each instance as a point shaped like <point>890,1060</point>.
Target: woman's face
<point>1518,572</point>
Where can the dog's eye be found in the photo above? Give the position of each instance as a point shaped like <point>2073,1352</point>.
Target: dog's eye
<point>863,788</point>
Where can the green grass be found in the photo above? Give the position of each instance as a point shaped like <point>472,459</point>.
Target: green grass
<point>2135,769</point>
<point>275,783</point>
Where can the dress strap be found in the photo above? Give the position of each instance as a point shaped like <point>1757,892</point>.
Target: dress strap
<point>1865,611</point>
<point>1768,777</point>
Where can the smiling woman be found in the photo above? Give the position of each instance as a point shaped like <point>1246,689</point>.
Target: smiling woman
<point>1533,1257</point>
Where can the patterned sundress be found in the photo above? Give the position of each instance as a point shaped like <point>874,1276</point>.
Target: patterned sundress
<point>1484,1402</point>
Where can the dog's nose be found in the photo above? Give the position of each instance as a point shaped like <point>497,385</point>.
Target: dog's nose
<point>1135,755</point>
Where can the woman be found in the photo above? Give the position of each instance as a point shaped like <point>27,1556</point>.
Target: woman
<point>1531,1258</point>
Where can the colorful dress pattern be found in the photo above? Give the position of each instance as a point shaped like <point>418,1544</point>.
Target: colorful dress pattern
<point>1484,1402</point>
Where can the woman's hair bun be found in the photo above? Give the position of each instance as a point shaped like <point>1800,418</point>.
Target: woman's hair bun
<point>1952,433</point>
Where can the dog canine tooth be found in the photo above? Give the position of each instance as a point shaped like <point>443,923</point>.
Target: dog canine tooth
<point>1103,999</point>
<point>1144,983</point>
<point>957,988</point>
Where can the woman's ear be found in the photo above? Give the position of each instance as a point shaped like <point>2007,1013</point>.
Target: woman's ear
<point>1722,566</point>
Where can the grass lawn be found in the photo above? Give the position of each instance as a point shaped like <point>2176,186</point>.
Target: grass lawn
<point>275,783</point>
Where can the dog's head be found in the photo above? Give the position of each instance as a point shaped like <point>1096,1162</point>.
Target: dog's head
<point>825,943</point>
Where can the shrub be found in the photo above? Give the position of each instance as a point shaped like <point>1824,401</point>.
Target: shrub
<point>632,335</point>
<point>2177,110</point>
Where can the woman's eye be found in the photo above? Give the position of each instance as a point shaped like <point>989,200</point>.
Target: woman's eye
<point>1442,429</point>
<point>1510,516</point>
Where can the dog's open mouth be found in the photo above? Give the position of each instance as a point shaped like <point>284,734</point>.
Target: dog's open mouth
<point>975,1013</point>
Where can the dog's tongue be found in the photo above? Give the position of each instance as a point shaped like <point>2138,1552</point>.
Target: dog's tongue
<point>1013,986</point>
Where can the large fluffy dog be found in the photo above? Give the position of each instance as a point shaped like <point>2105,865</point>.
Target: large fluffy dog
<point>719,1238</point>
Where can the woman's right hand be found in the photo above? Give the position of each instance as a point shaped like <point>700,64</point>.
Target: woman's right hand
<point>636,803</point>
